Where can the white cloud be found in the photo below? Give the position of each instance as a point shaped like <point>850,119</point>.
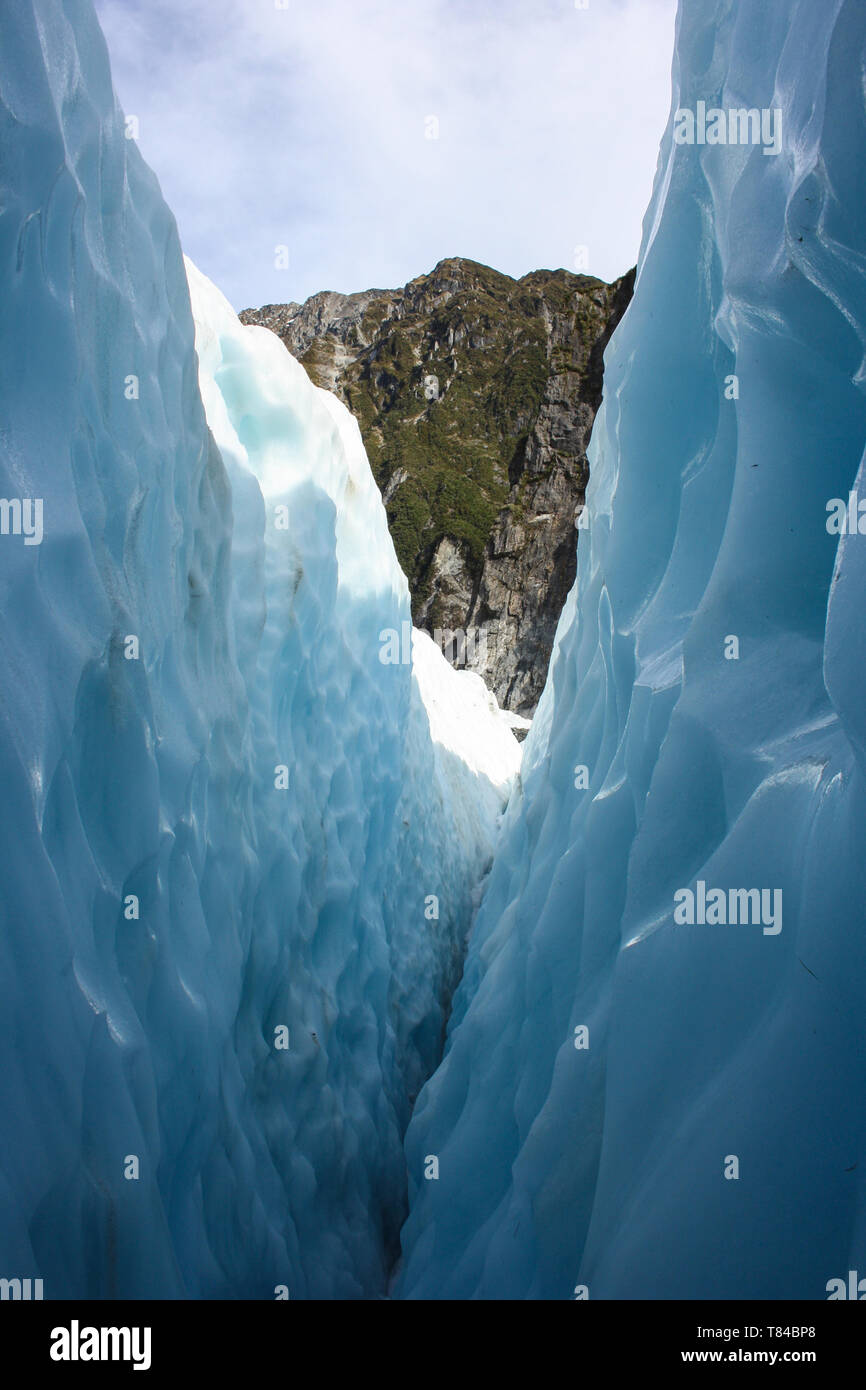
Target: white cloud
<point>306,127</point>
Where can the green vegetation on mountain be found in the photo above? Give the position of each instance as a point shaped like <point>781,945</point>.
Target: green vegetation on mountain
<point>488,445</point>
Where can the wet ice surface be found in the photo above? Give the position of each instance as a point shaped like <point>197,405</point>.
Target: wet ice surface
<point>225,822</point>
<point>601,1169</point>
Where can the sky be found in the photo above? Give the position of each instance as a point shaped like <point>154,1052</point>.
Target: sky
<point>307,145</point>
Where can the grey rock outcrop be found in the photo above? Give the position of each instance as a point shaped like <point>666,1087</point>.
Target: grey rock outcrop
<point>476,395</point>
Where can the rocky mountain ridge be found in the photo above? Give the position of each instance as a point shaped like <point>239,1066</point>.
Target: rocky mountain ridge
<point>476,395</point>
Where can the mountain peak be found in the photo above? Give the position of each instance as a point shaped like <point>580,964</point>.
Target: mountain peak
<point>475,394</point>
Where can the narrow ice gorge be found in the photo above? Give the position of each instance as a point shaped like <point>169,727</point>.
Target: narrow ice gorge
<point>665,756</point>
<point>238,865</point>
<point>241,852</point>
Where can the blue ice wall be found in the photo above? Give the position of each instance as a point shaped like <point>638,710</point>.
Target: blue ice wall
<point>222,818</point>
<point>600,1164</point>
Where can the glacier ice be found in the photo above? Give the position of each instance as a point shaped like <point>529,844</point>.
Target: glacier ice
<point>568,1170</point>
<point>227,824</point>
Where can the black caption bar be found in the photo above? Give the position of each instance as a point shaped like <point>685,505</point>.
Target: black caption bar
<point>157,1340</point>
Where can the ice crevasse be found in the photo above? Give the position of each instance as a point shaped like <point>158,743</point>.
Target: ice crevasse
<point>239,856</point>
<point>632,1104</point>
<point>227,824</point>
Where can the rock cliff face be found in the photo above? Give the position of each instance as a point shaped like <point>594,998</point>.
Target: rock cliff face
<point>475,395</point>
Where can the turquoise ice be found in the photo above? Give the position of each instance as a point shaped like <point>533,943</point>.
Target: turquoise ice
<point>594,1164</point>
<point>239,857</point>
<point>241,851</point>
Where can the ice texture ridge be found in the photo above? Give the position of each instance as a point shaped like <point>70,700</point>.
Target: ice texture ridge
<point>599,1164</point>
<point>225,821</point>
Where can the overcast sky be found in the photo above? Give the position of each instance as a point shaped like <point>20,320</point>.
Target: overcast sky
<point>309,127</point>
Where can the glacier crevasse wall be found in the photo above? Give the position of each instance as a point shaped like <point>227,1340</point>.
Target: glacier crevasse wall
<point>567,1170</point>
<point>222,814</point>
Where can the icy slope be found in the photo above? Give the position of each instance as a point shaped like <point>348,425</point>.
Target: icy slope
<point>323,595</point>
<point>602,1163</point>
<point>225,823</point>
